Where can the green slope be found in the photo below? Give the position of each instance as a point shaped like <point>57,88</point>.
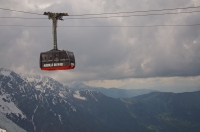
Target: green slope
<point>164,112</point>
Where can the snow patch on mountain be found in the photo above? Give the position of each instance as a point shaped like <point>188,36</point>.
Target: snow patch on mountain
<point>61,95</point>
<point>91,94</point>
<point>41,82</point>
<point>60,118</point>
<point>4,72</point>
<point>8,107</point>
<point>9,125</point>
<point>31,78</point>
<point>78,96</point>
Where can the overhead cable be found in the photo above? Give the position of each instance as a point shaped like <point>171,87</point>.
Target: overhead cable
<point>133,15</point>
<point>22,18</point>
<point>126,26</point>
<point>20,11</point>
<point>192,7</point>
<point>110,16</point>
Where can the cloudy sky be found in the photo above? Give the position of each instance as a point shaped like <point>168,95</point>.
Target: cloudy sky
<point>166,58</point>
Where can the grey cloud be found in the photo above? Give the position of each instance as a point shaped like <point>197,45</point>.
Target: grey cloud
<point>105,53</point>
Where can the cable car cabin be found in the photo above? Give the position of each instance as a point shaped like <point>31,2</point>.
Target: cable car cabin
<point>57,60</point>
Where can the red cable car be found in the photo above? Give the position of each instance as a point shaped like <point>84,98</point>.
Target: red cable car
<point>56,59</point>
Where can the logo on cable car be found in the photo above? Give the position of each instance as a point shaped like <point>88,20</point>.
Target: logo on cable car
<point>53,64</point>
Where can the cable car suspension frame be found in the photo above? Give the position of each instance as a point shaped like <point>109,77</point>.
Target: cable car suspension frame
<point>55,17</point>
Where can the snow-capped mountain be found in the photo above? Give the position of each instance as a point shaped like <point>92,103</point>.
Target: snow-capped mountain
<point>9,83</point>
<point>42,82</point>
<point>22,96</point>
<point>41,104</point>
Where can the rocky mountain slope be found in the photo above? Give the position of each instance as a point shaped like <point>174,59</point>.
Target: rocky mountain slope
<point>42,104</point>
<point>38,103</point>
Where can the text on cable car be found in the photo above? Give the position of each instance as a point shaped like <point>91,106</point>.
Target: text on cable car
<point>53,64</point>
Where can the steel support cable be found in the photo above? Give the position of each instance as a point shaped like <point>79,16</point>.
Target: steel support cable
<point>136,15</point>
<point>192,7</point>
<point>20,11</point>
<point>169,25</point>
<point>22,18</point>
<point>111,16</point>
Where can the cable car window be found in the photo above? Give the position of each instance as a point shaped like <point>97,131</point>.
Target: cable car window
<point>71,55</point>
<point>62,55</point>
<point>67,55</point>
<point>50,57</point>
<point>44,57</point>
<point>56,57</point>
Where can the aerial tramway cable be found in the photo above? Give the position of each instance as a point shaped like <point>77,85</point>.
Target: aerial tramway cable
<point>125,26</point>
<point>153,10</point>
<point>139,15</point>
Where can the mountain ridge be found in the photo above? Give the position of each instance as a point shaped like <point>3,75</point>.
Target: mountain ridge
<point>53,107</point>
<point>112,92</point>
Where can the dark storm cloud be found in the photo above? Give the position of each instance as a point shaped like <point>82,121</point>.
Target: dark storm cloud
<point>104,53</point>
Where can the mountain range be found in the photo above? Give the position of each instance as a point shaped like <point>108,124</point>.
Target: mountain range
<point>111,92</point>
<point>42,104</point>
